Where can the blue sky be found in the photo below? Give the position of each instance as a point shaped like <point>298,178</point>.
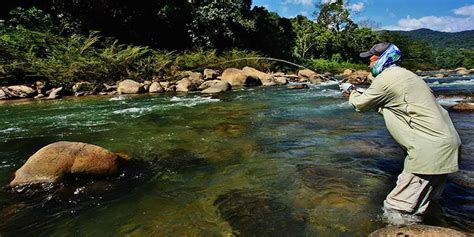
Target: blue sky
<point>441,15</point>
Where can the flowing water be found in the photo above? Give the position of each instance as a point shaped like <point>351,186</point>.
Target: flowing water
<point>259,162</point>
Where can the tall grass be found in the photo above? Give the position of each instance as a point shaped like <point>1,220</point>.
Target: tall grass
<point>64,61</point>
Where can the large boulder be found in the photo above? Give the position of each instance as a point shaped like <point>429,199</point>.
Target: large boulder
<point>129,87</point>
<point>208,84</point>
<point>218,87</point>
<point>358,77</point>
<point>266,79</point>
<point>155,87</point>
<point>347,72</point>
<point>238,78</point>
<point>196,77</point>
<point>439,75</point>
<point>146,85</point>
<point>462,71</point>
<point>417,230</point>
<point>186,85</point>
<point>54,161</point>
<point>281,80</point>
<point>307,75</point>
<point>210,74</point>
<point>21,91</point>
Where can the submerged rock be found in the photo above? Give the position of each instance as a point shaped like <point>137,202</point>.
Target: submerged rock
<point>53,161</point>
<point>238,78</point>
<point>259,215</point>
<point>129,87</point>
<point>298,86</point>
<point>418,231</point>
<point>463,178</point>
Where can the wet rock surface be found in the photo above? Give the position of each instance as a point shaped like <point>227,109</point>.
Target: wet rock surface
<point>253,214</point>
<point>417,231</point>
<point>52,162</point>
<point>129,87</point>
<point>298,87</point>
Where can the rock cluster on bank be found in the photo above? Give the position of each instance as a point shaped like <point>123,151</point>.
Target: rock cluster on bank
<point>210,81</point>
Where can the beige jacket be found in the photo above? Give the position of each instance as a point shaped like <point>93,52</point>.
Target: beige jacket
<point>415,120</point>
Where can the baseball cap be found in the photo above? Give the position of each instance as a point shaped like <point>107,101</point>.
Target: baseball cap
<point>377,49</point>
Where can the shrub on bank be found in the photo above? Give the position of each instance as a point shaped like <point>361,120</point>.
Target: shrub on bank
<point>64,60</point>
<point>324,65</point>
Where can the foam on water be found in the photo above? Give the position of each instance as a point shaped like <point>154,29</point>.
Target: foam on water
<point>449,101</point>
<point>118,98</point>
<point>193,101</point>
<point>12,130</point>
<point>132,110</point>
<point>451,83</point>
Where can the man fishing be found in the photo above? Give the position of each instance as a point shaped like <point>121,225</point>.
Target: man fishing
<point>418,123</point>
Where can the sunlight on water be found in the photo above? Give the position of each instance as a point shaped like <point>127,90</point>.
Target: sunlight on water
<point>265,161</point>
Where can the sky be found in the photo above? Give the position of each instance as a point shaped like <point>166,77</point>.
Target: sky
<point>440,15</point>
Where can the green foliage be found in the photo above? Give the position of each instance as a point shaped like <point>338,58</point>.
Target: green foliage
<point>217,24</point>
<point>323,65</point>
<point>334,15</point>
<point>416,54</point>
<point>32,18</point>
<point>436,39</point>
<point>66,60</point>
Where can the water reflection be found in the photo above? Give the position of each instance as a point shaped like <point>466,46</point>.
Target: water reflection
<point>269,161</point>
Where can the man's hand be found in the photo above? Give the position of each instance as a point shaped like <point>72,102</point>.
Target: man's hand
<point>346,88</point>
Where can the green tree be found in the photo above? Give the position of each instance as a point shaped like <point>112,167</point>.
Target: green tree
<point>218,24</point>
<point>272,35</point>
<point>334,15</point>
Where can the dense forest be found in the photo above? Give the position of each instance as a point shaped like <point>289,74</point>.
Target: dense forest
<point>111,39</point>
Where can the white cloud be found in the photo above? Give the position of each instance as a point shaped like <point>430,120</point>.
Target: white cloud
<point>464,21</point>
<point>299,2</point>
<point>357,7</point>
<point>465,11</point>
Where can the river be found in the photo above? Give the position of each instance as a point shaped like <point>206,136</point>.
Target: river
<point>260,161</point>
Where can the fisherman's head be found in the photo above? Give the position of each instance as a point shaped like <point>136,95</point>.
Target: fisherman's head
<point>382,56</point>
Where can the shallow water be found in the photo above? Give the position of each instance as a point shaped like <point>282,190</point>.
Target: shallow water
<point>263,161</point>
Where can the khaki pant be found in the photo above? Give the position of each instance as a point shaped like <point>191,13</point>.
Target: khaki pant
<point>413,192</point>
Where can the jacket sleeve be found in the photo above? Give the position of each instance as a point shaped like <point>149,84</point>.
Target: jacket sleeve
<point>373,98</point>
